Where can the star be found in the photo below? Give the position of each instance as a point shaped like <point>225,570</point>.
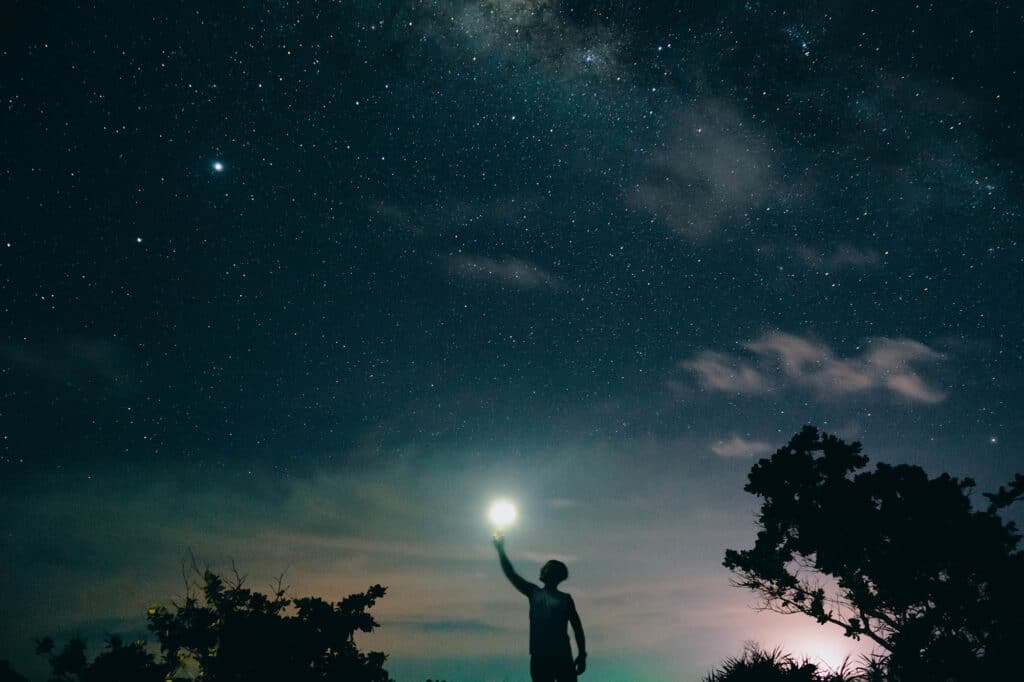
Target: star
<point>218,166</point>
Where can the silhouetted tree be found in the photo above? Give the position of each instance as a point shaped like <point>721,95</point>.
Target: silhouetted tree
<point>118,662</point>
<point>889,554</point>
<point>232,634</point>
<point>224,632</point>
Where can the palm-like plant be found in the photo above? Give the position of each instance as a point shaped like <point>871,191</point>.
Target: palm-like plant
<point>760,665</point>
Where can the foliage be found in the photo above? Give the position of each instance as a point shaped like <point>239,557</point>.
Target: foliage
<point>224,632</point>
<point>889,554</point>
<point>759,665</point>
<point>233,633</point>
<point>118,662</point>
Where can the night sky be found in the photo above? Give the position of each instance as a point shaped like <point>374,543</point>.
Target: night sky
<point>305,284</point>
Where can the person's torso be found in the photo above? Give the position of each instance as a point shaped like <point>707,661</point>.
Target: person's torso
<point>549,620</point>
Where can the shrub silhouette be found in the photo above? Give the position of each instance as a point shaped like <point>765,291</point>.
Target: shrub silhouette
<point>759,665</point>
<point>889,554</point>
<point>118,662</point>
<point>224,632</point>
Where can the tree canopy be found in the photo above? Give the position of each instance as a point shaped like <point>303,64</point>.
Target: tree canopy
<point>889,554</point>
<point>118,662</point>
<point>224,632</point>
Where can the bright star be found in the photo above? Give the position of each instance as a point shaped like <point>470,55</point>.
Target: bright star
<point>218,166</point>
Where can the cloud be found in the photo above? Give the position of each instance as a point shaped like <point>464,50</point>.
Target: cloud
<point>419,219</point>
<point>400,221</point>
<point>789,361</point>
<point>715,169</point>
<point>722,372</point>
<point>455,625</point>
<point>89,365</point>
<point>544,557</point>
<point>844,256</point>
<point>893,357</point>
<point>737,446</point>
<point>511,272</point>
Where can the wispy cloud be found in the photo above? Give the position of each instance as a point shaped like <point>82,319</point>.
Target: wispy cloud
<point>780,361</point>
<point>738,446</point>
<point>843,256</point>
<point>542,558</point>
<point>511,272</point>
<point>455,625</point>
<point>716,168</point>
<point>728,373</point>
<point>91,365</point>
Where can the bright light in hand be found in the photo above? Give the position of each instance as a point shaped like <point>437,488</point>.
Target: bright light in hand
<point>502,514</point>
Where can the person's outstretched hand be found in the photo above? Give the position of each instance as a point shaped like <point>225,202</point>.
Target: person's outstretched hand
<point>499,542</point>
<point>581,664</point>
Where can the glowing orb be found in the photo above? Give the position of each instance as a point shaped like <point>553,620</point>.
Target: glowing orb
<point>218,166</point>
<point>502,514</point>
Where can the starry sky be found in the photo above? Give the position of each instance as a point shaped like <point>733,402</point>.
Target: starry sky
<point>305,284</point>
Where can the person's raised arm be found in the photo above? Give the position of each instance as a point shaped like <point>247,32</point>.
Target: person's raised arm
<point>517,580</point>
<point>581,639</point>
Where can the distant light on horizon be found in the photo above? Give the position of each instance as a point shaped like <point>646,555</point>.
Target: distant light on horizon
<point>823,647</point>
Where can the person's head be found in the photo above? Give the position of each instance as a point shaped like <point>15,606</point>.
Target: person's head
<point>553,572</point>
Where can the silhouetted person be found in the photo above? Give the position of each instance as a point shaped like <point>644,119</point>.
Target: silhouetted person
<point>551,611</point>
